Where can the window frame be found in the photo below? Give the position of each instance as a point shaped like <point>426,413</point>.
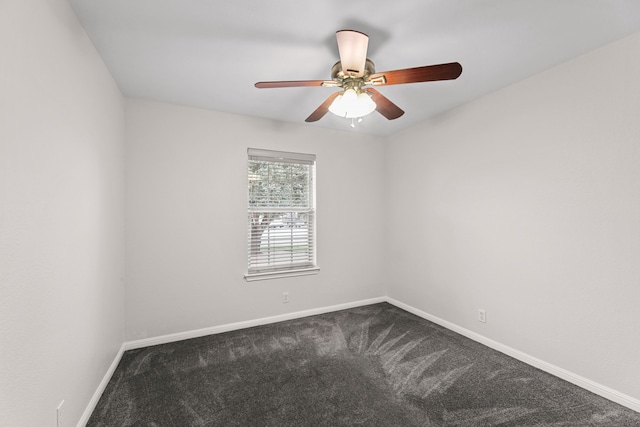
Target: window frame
<point>294,269</point>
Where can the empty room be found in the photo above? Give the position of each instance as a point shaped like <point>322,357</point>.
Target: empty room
<point>285,213</point>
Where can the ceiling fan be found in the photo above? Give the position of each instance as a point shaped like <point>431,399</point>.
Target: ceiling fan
<point>354,73</point>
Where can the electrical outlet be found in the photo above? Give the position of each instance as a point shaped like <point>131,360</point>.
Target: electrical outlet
<point>482,316</point>
<point>285,297</point>
<point>60,415</point>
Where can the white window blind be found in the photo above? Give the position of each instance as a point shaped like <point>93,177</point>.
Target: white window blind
<point>281,213</point>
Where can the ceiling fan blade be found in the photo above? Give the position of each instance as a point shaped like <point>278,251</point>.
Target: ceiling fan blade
<point>428,73</point>
<point>384,106</point>
<point>322,109</point>
<point>293,83</point>
<point>352,46</point>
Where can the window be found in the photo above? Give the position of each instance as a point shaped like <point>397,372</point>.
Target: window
<point>281,214</point>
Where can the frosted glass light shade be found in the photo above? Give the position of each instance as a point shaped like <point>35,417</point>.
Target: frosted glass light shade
<point>351,104</point>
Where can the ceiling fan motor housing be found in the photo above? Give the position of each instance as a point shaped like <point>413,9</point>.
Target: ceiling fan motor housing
<point>338,74</point>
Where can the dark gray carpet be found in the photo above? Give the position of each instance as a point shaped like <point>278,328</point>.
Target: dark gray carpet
<point>371,366</point>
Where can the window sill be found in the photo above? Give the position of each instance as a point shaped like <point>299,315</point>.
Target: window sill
<point>251,277</point>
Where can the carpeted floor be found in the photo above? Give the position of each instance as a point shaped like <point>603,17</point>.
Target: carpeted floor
<point>370,366</point>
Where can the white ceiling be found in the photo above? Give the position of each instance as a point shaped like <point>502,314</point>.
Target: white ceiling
<point>209,53</point>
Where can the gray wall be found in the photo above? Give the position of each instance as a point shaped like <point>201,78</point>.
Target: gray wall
<point>186,204</point>
<point>62,305</point>
<point>526,203</point>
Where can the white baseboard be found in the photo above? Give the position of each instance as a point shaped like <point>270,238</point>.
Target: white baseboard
<point>578,380</point>
<point>103,384</point>
<point>163,339</point>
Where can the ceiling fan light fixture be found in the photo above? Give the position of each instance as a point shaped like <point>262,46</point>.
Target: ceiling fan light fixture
<point>366,104</point>
<point>351,104</point>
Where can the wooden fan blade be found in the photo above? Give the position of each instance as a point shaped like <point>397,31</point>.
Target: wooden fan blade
<point>352,46</point>
<point>293,83</point>
<point>384,106</point>
<point>428,73</point>
<point>322,109</point>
